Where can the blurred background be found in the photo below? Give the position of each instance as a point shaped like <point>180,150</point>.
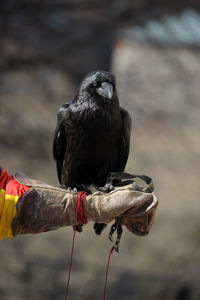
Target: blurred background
<point>153,48</point>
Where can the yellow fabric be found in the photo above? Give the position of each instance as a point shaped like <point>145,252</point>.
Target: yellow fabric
<point>7,213</point>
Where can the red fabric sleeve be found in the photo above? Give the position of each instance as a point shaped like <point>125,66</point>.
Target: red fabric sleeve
<point>10,185</point>
<point>3,177</point>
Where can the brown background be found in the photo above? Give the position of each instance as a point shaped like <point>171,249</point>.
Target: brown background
<point>153,49</point>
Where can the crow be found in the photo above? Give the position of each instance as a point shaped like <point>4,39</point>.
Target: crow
<point>92,136</point>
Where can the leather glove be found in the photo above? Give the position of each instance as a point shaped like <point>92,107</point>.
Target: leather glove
<point>44,207</point>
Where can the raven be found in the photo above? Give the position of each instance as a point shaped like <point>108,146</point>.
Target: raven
<point>92,136</point>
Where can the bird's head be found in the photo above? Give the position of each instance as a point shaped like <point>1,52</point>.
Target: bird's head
<point>99,84</point>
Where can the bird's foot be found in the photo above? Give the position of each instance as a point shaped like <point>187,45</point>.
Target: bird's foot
<point>108,187</point>
<point>112,179</point>
<point>71,190</point>
<point>63,186</point>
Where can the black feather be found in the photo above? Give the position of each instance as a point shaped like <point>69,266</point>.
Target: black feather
<point>92,136</point>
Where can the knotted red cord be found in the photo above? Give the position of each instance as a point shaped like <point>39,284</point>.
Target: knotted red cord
<point>80,198</point>
<point>80,217</point>
<point>107,269</point>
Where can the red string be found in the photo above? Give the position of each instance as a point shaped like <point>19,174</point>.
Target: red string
<point>80,217</point>
<point>80,197</point>
<point>107,269</point>
<point>79,206</point>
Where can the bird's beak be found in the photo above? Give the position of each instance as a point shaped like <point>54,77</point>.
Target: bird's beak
<point>105,90</point>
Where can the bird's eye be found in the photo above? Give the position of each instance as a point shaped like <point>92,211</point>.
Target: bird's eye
<point>96,83</point>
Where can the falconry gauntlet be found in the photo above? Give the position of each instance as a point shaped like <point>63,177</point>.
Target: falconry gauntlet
<point>44,207</point>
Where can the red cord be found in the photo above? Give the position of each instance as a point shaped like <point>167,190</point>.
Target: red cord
<point>80,198</point>
<point>80,217</point>
<point>79,206</point>
<point>107,269</point>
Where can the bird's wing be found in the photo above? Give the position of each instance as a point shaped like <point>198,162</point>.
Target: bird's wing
<point>59,140</point>
<point>126,136</point>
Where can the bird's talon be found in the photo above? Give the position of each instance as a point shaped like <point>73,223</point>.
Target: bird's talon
<point>111,187</point>
<point>108,187</point>
<point>101,189</point>
<point>69,189</point>
<point>135,186</point>
<point>62,186</point>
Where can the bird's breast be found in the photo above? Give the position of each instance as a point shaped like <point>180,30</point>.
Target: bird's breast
<point>94,122</point>
<point>93,145</point>
<point>95,135</point>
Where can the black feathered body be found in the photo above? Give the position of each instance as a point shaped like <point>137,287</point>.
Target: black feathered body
<point>92,136</point>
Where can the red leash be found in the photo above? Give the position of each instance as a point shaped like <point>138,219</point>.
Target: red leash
<point>80,216</point>
<point>107,269</point>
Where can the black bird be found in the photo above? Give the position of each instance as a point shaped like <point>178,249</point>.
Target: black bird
<point>92,136</point>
